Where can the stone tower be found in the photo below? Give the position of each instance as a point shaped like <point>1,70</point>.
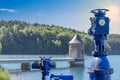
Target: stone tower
<point>76,51</point>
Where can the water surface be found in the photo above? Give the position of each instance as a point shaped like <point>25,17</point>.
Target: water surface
<point>62,68</point>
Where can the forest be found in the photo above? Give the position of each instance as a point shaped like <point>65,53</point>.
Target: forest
<point>19,37</point>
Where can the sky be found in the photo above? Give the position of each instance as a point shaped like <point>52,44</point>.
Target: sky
<point>72,14</point>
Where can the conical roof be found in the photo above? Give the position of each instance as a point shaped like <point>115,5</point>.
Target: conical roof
<point>76,39</point>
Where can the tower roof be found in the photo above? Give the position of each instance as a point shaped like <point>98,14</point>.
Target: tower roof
<point>76,39</point>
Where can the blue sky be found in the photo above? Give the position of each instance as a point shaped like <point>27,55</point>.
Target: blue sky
<point>73,14</point>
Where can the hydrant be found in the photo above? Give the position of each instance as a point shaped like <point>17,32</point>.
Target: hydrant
<point>99,68</point>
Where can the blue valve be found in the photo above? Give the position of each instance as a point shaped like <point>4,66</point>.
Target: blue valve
<point>45,64</point>
<point>99,68</point>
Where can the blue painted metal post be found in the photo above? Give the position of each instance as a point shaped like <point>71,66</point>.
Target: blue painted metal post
<point>99,68</point>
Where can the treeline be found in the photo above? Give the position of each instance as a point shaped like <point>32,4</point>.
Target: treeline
<point>113,44</point>
<point>17,37</point>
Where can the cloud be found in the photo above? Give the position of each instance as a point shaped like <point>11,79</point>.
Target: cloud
<point>8,10</point>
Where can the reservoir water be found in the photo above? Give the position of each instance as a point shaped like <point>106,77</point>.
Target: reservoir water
<point>62,68</point>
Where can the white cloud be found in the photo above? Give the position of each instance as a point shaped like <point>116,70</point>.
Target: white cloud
<point>8,10</point>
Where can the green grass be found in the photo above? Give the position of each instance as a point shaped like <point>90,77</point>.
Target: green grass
<point>4,75</point>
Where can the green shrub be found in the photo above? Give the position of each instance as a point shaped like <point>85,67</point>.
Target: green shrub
<point>4,75</point>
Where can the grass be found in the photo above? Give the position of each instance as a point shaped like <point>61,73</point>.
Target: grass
<point>4,75</point>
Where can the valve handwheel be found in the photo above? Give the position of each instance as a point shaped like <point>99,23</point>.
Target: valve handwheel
<point>99,10</point>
